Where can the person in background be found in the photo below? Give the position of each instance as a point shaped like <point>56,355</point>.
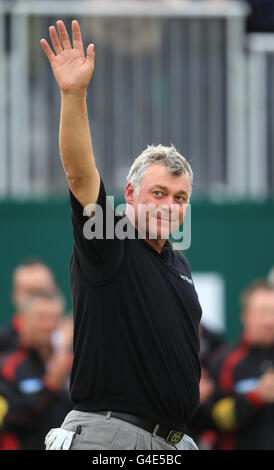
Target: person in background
<point>34,393</point>
<point>28,277</point>
<point>243,404</point>
<point>201,426</point>
<point>210,343</point>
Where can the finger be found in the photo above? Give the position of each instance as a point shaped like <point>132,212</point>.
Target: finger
<point>55,40</point>
<point>90,52</point>
<point>76,36</point>
<point>47,50</point>
<point>64,37</point>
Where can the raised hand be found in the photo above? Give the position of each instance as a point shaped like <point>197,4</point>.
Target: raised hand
<point>71,67</point>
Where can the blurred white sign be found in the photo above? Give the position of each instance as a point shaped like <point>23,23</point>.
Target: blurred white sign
<point>211,291</point>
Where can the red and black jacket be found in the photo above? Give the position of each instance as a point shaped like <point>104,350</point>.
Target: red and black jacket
<point>9,335</point>
<point>242,419</point>
<point>32,406</point>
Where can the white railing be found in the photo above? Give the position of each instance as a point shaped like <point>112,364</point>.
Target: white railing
<point>260,99</point>
<point>128,8</point>
<point>3,110</point>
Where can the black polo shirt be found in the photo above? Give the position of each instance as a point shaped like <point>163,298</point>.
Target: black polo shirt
<point>136,339</point>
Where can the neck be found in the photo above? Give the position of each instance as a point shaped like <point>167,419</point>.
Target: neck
<point>157,244</point>
<point>43,350</point>
<point>252,340</point>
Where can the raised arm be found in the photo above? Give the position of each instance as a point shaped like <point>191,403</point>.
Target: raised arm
<point>73,71</point>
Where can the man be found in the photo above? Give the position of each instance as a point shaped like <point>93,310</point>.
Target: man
<point>33,390</point>
<point>28,277</point>
<point>243,409</point>
<point>135,375</point>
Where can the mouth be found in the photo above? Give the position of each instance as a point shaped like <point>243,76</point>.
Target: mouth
<point>164,219</point>
<point>170,220</point>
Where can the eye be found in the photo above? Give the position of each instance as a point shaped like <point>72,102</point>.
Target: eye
<point>181,199</point>
<point>158,193</point>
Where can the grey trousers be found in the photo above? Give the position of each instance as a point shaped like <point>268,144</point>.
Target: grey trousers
<point>98,432</point>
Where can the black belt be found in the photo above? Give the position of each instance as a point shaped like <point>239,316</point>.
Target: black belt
<point>172,436</point>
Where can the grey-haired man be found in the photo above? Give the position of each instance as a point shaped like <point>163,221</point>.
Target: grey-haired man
<point>136,371</point>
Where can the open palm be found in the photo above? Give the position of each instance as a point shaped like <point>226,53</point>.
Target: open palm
<point>72,69</point>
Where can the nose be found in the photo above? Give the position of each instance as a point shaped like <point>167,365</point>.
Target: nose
<point>170,201</point>
<point>167,205</point>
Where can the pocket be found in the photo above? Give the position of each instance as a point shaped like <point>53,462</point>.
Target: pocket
<point>125,438</point>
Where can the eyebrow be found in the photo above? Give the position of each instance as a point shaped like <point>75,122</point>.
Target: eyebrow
<point>164,188</point>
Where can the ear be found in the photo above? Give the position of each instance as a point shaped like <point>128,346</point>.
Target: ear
<point>129,193</point>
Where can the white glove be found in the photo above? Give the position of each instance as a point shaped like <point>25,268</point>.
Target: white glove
<point>59,439</point>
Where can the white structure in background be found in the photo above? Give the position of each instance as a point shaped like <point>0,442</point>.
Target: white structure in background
<point>270,276</point>
<point>210,287</point>
<point>166,72</point>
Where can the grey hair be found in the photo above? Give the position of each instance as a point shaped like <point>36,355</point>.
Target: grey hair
<point>167,156</point>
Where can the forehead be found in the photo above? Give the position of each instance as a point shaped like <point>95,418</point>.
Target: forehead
<point>261,296</point>
<point>159,174</point>
<point>32,274</point>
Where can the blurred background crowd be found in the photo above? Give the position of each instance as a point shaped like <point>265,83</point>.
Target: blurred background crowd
<point>195,73</point>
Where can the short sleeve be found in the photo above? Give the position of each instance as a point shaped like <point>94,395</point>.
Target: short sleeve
<point>94,232</point>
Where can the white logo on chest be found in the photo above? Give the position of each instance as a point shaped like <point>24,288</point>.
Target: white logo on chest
<point>185,278</point>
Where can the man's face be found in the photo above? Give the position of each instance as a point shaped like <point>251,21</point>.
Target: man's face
<point>29,279</point>
<point>160,204</point>
<point>41,320</point>
<point>258,319</point>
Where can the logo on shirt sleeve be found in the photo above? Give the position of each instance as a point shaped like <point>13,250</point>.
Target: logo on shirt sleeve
<point>187,279</point>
